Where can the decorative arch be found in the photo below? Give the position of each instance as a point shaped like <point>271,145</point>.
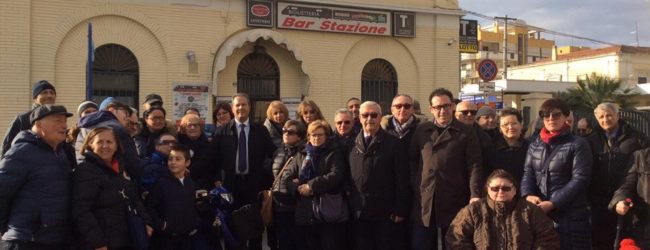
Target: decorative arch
<point>238,40</point>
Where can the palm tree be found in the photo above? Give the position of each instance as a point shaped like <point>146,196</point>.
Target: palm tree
<point>596,89</point>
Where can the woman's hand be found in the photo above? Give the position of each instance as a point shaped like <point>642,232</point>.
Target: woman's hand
<point>622,208</point>
<point>102,248</point>
<point>533,199</point>
<point>546,206</point>
<point>149,230</point>
<point>305,190</point>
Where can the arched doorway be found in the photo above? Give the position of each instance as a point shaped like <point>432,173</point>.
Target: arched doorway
<point>379,83</point>
<point>258,76</point>
<point>116,74</point>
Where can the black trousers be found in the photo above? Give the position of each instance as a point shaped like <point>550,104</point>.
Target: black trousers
<point>321,237</point>
<point>180,242</point>
<point>375,235</point>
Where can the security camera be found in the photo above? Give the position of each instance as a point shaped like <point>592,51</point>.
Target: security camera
<point>450,42</point>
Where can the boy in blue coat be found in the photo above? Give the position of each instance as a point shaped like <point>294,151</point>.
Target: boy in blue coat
<point>171,204</point>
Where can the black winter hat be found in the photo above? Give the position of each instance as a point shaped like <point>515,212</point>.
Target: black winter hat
<point>48,109</point>
<point>40,86</point>
<point>152,99</point>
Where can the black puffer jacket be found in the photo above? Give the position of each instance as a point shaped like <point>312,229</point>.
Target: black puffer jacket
<point>637,187</point>
<point>171,205</point>
<point>510,158</point>
<point>560,172</point>
<point>612,162</point>
<point>331,173</point>
<point>35,191</point>
<point>99,207</point>
<point>283,200</point>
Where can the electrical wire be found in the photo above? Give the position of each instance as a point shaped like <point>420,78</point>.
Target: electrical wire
<point>540,29</point>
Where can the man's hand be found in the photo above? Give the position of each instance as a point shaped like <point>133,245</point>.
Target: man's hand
<point>472,200</point>
<point>546,206</point>
<point>149,230</point>
<point>533,199</point>
<point>305,190</point>
<point>102,248</point>
<point>622,208</point>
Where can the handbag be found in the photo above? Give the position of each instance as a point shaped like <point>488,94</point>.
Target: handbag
<point>266,197</point>
<point>135,224</point>
<point>246,222</point>
<point>330,208</point>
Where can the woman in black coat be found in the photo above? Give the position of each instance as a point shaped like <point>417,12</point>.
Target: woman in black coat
<point>315,172</point>
<point>101,191</point>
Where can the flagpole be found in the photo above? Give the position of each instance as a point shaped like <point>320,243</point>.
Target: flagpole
<point>89,63</point>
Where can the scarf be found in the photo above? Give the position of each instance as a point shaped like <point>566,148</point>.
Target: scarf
<point>547,136</point>
<point>402,130</point>
<point>309,168</point>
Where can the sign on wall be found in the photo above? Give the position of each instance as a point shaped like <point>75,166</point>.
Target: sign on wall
<point>404,24</point>
<point>260,13</point>
<point>190,96</point>
<point>301,16</point>
<point>468,36</point>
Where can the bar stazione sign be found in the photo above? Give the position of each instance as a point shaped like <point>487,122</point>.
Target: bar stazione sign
<point>302,16</point>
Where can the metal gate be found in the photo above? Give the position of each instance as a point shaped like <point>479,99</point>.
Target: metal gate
<point>258,75</point>
<point>379,83</point>
<point>116,74</point>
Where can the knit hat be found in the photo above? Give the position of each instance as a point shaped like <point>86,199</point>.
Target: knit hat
<point>40,86</point>
<point>105,102</point>
<point>48,109</point>
<point>85,105</point>
<point>485,110</point>
<point>153,99</point>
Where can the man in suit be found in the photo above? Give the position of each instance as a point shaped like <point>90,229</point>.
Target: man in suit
<point>446,171</point>
<point>245,152</point>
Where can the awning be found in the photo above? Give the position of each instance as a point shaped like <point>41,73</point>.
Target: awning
<point>521,87</point>
<point>240,39</point>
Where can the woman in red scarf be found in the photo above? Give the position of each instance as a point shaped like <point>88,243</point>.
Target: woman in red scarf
<point>556,178</point>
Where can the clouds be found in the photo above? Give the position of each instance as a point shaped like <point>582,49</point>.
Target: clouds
<point>604,20</point>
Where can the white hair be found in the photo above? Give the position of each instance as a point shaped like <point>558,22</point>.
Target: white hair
<point>607,106</point>
<point>370,103</point>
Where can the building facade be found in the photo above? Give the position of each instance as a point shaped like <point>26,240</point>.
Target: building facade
<point>155,46</point>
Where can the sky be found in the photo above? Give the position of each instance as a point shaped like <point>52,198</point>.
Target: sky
<point>604,20</point>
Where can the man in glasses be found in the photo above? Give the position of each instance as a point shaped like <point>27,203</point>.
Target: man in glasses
<point>486,117</point>
<point>466,112</point>
<point>379,194</point>
<point>446,171</point>
<point>115,115</point>
<point>612,147</point>
<point>403,121</point>
<point>557,172</point>
<point>156,165</point>
<point>344,132</point>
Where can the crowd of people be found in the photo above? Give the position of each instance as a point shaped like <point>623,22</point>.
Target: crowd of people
<point>468,178</point>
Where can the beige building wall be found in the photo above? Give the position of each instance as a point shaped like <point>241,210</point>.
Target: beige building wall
<point>47,40</point>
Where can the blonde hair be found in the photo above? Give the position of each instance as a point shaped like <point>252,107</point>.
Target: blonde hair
<point>319,124</point>
<point>276,105</point>
<point>187,119</point>
<point>312,104</point>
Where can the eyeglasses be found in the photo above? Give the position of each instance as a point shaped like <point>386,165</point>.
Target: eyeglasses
<point>405,106</point>
<point>512,124</point>
<point>289,131</point>
<point>553,115</point>
<point>502,188</point>
<point>468,112</point>
<point>167,142</point>
<point>371,115</point>
<point>441,106</point>
<point>343,122</point>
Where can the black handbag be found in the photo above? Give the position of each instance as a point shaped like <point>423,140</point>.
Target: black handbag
<point>330,208</point>
<point>136,225</point>
<point>246,222</point>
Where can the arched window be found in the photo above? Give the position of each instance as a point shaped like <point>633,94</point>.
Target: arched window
<point>258,76</point>
<point>115,73</point>
<point>379,83</point>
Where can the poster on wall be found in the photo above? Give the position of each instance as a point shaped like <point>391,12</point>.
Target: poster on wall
<point>260,13</point>
<point>190,96</point>
<point>292,105</point>
<point>327,18</point>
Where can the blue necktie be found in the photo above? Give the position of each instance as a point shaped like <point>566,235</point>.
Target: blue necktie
<point>243,156</point>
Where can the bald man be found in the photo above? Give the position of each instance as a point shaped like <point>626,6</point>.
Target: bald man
<point>466,113</point>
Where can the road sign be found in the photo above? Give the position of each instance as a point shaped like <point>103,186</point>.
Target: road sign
<point>486,86</point>
<point>487,70</point>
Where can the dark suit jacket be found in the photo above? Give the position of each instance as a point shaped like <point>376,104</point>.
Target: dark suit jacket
<point>260,155</point>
